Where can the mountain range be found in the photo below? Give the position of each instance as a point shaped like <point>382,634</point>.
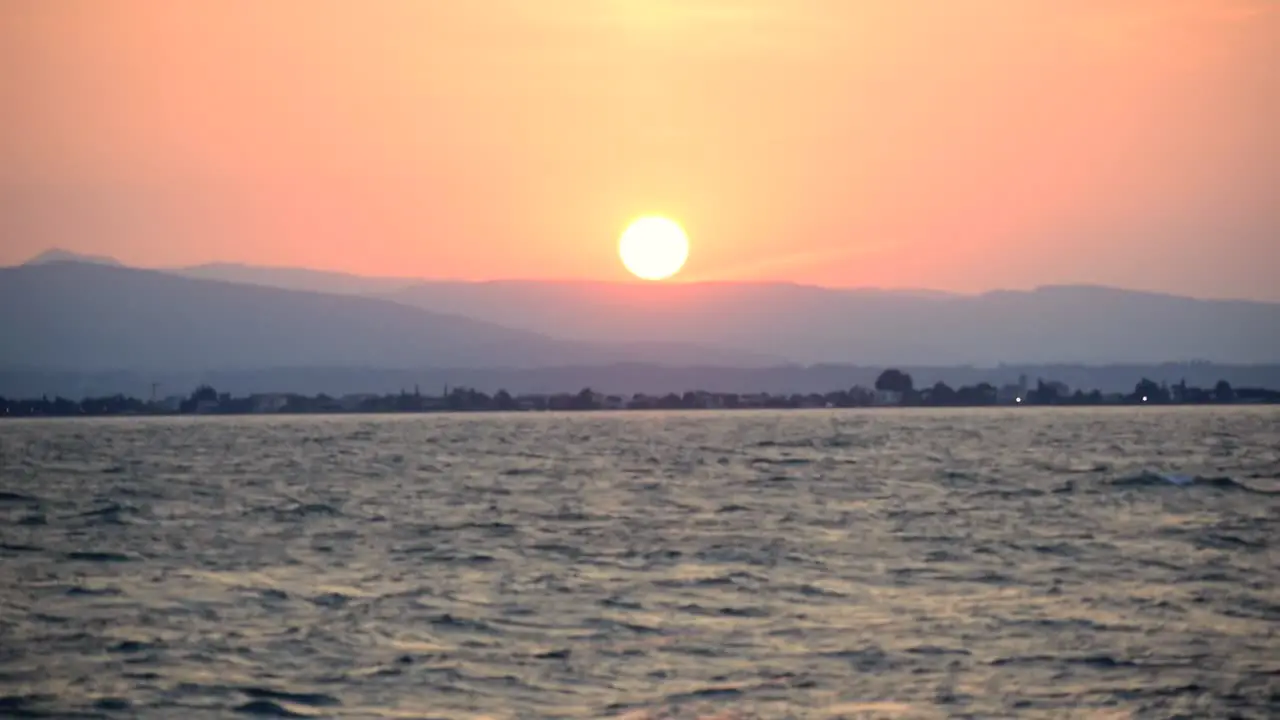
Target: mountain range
<point>64,311</point>
<point>1076,324</point>
<point>94,317</point>
<point>807,324</point>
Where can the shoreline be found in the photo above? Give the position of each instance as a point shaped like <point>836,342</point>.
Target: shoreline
<point>893,389</point>
<point>627,410</point>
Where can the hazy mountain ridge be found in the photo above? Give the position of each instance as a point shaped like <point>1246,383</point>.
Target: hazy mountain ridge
<point>53,255</point>
<point>296,278</point>
<point>754,324</point>
<point>348,283</point>
<point>816,325</point>
<point>87,317</point>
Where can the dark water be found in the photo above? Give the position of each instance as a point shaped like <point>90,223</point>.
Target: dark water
<point>795,565</point>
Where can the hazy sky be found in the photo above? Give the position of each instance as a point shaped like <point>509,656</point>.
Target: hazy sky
<point>954,144</point>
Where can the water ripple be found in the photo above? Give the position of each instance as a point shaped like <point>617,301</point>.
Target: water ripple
<point>1106,563</point>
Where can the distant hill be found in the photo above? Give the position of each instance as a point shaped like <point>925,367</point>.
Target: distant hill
<point>750,324</point>
<point>347,283</point>
<point>54,255</point>
<point>1069,324</point>
<point>806,324</point>
<point>297,278</point>
<point>89,317</point>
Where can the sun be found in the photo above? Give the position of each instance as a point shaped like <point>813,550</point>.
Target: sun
<point>653,248</point>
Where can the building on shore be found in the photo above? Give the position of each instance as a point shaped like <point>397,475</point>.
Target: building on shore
<point>887,397</point>
<point>269,402</point>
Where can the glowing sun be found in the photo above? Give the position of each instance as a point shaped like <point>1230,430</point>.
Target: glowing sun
<point>653,248</point>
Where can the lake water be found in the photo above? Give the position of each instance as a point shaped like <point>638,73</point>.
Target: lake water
<point>984,563</point>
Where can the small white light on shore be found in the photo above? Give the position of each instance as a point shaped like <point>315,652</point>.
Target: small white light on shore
<point>1017,400</point>
<point>1144,398</point>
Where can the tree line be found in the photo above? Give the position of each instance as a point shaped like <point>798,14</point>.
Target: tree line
<point>1054,393</point>
<point>892,388</point>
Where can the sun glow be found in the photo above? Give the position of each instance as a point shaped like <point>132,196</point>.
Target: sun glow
<point>654,248</point>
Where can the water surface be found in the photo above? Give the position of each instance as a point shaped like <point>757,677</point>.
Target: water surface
<point>978,563</point>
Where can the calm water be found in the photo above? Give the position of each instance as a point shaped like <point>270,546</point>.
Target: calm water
<point>792,565</point>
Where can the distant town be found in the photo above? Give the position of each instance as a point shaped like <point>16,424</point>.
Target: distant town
<point>893,388</point>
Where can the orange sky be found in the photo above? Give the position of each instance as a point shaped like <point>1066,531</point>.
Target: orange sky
<point>952,144</point>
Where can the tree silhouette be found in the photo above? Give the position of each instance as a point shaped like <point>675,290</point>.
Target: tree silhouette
<point>585,399</point>
<point>1044,394</point>
<point>941,394</point>
<point>1149,391</point>
<point>1223,392</point>
<point>204,393</point>
<point>894,380</point>
<point>670,401</point>
<point>502,400</point>
<point>980,394</point>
